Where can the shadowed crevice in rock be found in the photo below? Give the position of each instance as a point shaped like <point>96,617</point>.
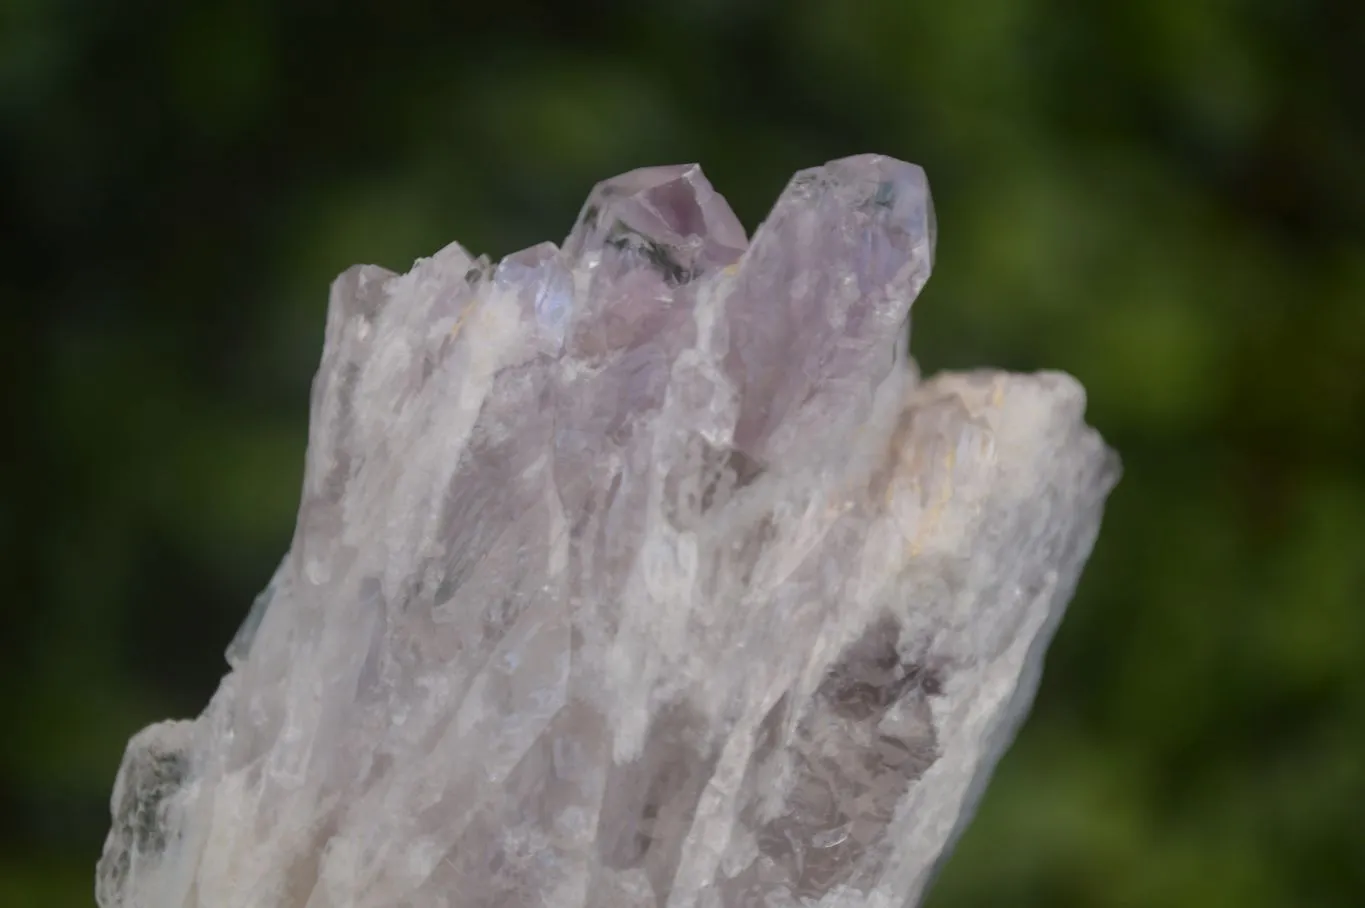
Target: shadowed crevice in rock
<point>651,800</point>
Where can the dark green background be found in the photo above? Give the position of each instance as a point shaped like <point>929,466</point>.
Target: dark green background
<point>1164,197</point>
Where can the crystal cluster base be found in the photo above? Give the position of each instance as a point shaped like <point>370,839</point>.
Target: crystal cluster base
<point>644,572</point>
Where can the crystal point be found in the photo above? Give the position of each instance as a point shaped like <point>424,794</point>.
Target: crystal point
<point>641,572</point>
<point>843,255</point>
<point>672,207</point>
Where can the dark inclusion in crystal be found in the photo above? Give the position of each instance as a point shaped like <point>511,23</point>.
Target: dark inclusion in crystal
<point>849,770</point>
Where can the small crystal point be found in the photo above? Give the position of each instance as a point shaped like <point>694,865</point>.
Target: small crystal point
<point>543,287</point>
<point>672,207</point>
<point>640,241</point>
<point>644,572</point>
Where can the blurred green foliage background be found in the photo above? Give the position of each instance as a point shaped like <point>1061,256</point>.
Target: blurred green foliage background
<point>1163,197</point>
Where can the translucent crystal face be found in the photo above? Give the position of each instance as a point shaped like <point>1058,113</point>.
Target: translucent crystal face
<point>674,210</point>
<point>641,572</point>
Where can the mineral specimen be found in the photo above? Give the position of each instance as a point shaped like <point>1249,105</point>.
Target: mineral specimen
<point>641,572</point>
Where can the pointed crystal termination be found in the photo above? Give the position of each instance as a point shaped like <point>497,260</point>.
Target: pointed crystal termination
<point>844,253</point>
<point>672,208</point>
<point>639,238</point>
<point>641,573</point>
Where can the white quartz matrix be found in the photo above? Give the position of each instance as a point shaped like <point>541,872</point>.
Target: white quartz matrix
<point>643,572</point>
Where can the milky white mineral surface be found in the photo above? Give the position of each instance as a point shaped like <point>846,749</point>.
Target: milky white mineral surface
<point>635,573</point>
